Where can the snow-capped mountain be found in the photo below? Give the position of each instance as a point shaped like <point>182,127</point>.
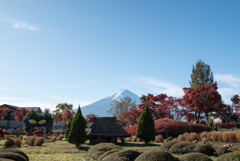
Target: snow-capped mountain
<point>101,107</point>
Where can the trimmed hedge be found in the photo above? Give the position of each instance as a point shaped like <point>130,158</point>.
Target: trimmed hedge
<point>13,156</point>
<point>182,148</point>
<point>13,150</point>
<point>167,145</point>
<point>97,150</point>
<point>107,153</point>
<point>235,148</point>
<point>156,155</point>
<point>194,156</point>
<point>205,149</point>
<point>123,155</point>
<point>234,156</point>
<point>173,127</point>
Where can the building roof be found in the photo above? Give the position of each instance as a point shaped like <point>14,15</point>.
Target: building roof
<point>37,109</point>
<point>105,126</point>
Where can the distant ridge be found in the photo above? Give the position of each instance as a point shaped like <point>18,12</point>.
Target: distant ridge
<point>101,107</point>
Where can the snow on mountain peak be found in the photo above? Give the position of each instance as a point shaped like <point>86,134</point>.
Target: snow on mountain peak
<point>101,107</point>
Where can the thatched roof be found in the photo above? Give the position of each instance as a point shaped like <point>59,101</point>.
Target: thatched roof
<point>105,126</point>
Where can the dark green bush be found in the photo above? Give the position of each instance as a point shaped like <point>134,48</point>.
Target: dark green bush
<point>96,151</point>
<point>123,155</point>
<point>13,156</point>
<point>235,148</point>
<point>9,143</point>
<point>222,150</point>
<point>38,141</point>
<point>194,156</point>
<point>107,153</point>
<point>156,155</point>
<point>234,156</point>
<point>167,145</point>
<point>13,150</point>
<point>3,159</point>
<point>205,149</point>
<point>182,148</point>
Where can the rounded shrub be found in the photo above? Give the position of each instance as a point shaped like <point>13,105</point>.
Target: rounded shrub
<point>215,136</point>
<point>181,138</point>
<point>204,140</point>
<point>9,143</point>
<point>222,150</point>
<point>234,156</point>
<point>17,142</point>
<point>13,156</point>
<point>134,138</point>
<point>54,138</point>
<point>4,159</point>
<point>61,136</point>
<point>30,140</point>
<point>203,135</point>
<point>194,156</point>
<point>235,148</point>
<point>193,136</point>
<point>182,148</point>
<point>188,139</point>
<point>156,155</point>
<point>13,150</point>
<point>167,145</point>
<point>231,136</point>
<point>205,149</point>
<point>159,139</point>
<point>38,141</point>
<point>238,136</point>
<point>97,150</point>
<point>122,155</point>
<point>225,136</point>
<point>107,153</point>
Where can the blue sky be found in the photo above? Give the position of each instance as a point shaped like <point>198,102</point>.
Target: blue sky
<point>81,51</point>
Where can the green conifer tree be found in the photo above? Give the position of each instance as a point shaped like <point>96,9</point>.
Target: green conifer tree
<point>69,125</point>
<point>145,130</point>
<point>77,134</point>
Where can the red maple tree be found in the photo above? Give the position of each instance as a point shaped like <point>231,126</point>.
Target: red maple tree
<point>131,116</point>
<point>67,116</point>
<point>20,113</point>
<point>91,115</point>
<point>203,99</point>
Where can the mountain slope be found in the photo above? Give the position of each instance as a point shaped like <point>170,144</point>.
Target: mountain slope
<point>101,107</point>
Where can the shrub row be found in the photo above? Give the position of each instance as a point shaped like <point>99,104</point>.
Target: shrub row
<point>34,141</point>
<point>13,154</point>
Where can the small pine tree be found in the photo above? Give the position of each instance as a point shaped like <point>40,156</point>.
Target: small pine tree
<point>77,134</point>
<point>145,130</point>
<point>69,125</point>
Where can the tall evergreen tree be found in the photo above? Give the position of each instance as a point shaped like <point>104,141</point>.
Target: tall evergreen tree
<point>145,130</point>
<point>69,125</point>
<point>201,75</point>
<point>77,134</point>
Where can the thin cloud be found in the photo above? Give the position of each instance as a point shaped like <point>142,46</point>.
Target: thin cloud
<point>158,86</point>
<point>25,26</point>
<point>228,79</point>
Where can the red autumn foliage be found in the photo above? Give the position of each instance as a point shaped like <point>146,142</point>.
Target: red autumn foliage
<point>2,134</point>
<point>3,111</point>
<point>131,116</point>
<point>227,125</point>
<point>58,117</point>
<point>56,133</point>
<point>38,132</point>
<point>67,116</point>
<point>20,113</point>
<point>236,104</point>
<point>171,127</point>
<point>28,133</point>
<point>203,99</point>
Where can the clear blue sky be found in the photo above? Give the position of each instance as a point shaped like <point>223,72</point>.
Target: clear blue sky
<point>81,51</point>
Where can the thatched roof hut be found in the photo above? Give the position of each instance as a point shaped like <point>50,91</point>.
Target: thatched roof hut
<point>105,129</point>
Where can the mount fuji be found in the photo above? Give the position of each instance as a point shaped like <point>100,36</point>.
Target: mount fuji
<point>101,107</point>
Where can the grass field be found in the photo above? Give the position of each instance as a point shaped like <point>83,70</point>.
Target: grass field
<point>63,151</point>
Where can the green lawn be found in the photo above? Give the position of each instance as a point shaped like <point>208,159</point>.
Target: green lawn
<point>62,150</point>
